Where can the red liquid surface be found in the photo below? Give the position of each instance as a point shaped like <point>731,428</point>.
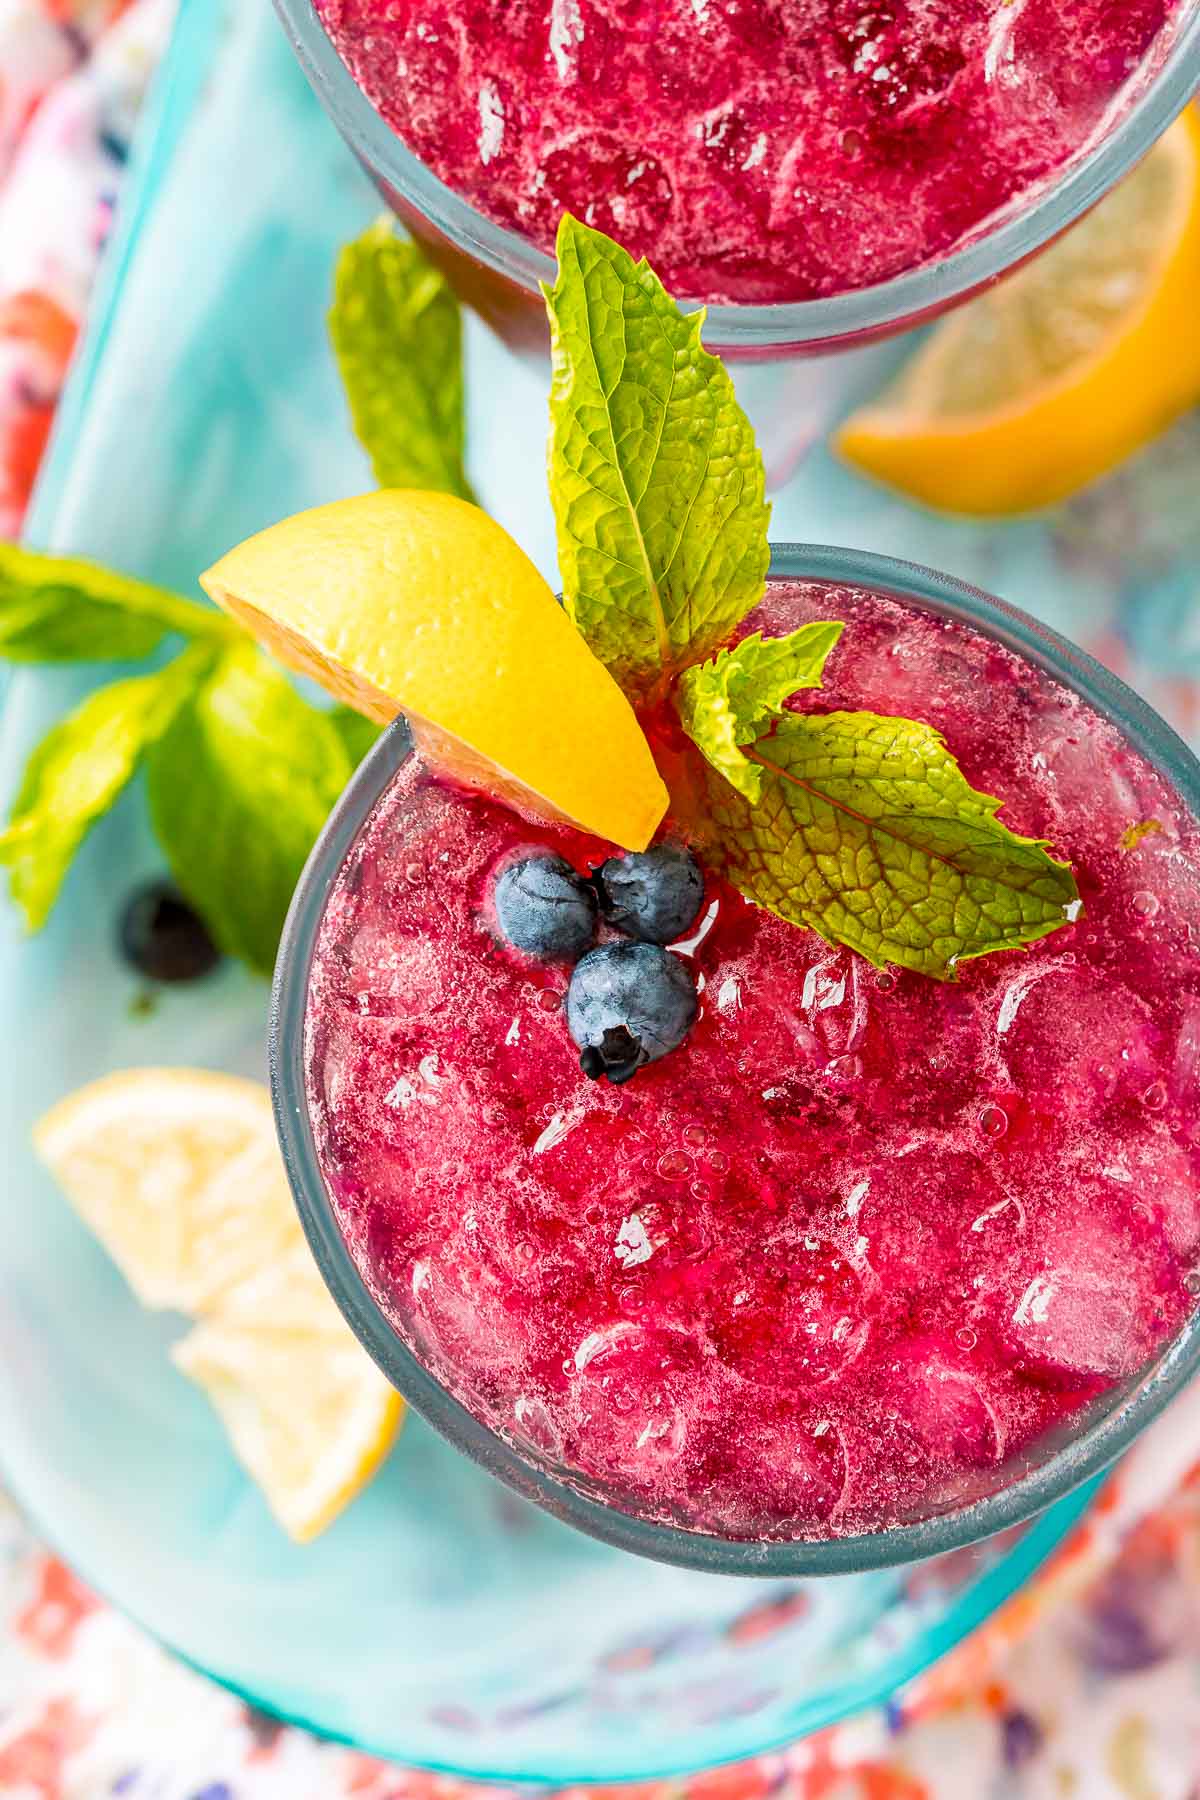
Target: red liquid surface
<point>762,150</point>
<point>863,1236</point>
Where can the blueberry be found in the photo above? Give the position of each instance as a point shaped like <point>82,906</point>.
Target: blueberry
<point>545,909</point>
<point>627,1005</point>
<point>163,938</point>
<point>654,896</point>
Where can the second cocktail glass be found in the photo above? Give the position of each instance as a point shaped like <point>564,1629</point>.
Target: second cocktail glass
<point>497,270</point>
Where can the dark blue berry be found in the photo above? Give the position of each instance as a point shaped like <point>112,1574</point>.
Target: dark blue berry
<point>654,895</point>
<point>163,938</point>
<point>545,909</point>
<point>627,1005</point>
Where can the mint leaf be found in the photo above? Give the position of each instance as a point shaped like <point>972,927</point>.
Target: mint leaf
<point>655,478</point>
<point>239,787</point>
<point>357,733</point>
<point>397,336</point>
<point>77,772</point>
<point>58,609</point>
<point>724,703</point>
<point>869,834</point>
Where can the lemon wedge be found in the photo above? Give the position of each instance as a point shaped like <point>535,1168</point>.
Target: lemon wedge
<point>419,602</point>
<point>178,1174</point>
<point>306,1410</point>
<point>1035,388</point>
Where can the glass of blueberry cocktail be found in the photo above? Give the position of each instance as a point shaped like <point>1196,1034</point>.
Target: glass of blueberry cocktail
<point>730,1244</point>
<point>819,172</point>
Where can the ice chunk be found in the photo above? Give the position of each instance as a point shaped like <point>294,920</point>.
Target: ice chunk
<point>944,1401</point>
<point>1088,1312</point>
<point>1153,1174</point>
<point>793,1317</point>
<point>633,1244</point>
<point>536,1425</point>
<point>770,1471</point>
<point>1076,1042</point>
<point>382,971</point>
<point>932,1218</point>
<point>629,1398</point>
<point>1185,1065</point>
<point>834,1002</point>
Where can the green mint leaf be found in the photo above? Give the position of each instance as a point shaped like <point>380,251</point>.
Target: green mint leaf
<point>357,734</point>
<point>239,786</point>
<point>868,833</point>
<point>655,478</point>
<point>724,703</point>
<point>57,609</point>
<point>397,336</point>
<point>76,774</point>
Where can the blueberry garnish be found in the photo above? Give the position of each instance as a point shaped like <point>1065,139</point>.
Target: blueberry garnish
<point>654,895</point>
<point>163,938</point>
<point>627,1005</point>
<point>545,909</point>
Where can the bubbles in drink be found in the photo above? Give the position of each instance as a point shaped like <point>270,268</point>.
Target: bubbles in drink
<point>863,1236</point>
<point>767,152</point>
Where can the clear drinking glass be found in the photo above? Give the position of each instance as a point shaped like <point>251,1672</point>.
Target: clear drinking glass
<point>796,366</point>
<point>1019,1488</point>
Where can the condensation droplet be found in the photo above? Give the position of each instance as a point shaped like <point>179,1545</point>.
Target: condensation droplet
<point>1145,903</point>
<point>673,1165</point>
<point>718,1162</point>
<point>965,1337</point>
<point>1155,1096</point>
<point>694,1135</point>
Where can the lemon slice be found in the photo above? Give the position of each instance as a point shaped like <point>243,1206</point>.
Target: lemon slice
<point>1035,388</point>
<point>306,1410</point>
<point>419,602</point>
<point>179,1175</point>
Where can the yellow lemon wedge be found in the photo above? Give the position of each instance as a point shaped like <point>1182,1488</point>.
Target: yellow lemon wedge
<point>1052,377</point>
<point>403,601</point>
<point>178,1174</point>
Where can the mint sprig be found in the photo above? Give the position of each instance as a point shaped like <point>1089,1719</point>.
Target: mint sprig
<point>57,609</point>
<point>240,770</point>
<point>397,335</point>
<point>655,477</point>
<point>77,773</point>
<point>867,832</point>
<point>724,703</point>
<point>859,827</point>
<point>239,785</point>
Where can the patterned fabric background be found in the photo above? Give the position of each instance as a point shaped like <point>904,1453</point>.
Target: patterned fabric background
<point>1087,1685</point>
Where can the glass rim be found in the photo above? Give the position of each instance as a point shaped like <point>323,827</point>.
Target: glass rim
<point>1126,1410</point>
<point>858,312</point>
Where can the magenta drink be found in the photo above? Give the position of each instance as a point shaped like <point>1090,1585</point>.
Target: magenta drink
<point>758,150</point>
<point>862,1238</point>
